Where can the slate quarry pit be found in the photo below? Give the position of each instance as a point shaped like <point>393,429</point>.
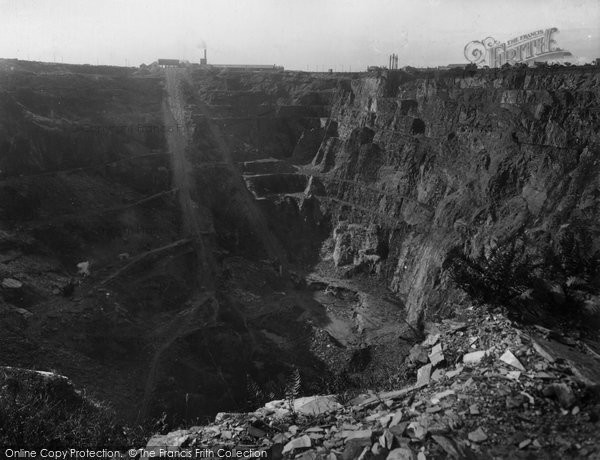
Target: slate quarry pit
<point>239,225</point>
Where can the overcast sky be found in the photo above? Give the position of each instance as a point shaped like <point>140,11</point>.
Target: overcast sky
<point>297,34</point>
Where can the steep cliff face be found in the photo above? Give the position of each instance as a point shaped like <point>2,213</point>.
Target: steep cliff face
<point>468,166</point>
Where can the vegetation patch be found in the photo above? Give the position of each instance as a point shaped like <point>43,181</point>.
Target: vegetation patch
<point>42,409</point>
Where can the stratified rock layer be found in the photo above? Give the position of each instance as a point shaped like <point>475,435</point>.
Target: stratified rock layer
<point>449,163</point>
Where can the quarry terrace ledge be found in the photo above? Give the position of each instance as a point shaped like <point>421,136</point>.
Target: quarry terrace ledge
<point>102,129</point>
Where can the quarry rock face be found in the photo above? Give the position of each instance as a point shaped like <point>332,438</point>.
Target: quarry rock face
<point>464,163</point>
<point>355,244</point>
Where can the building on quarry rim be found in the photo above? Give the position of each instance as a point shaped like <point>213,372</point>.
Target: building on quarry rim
<point>169,62</point>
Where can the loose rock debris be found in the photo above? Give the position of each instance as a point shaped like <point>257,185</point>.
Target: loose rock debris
<point>509,400</point>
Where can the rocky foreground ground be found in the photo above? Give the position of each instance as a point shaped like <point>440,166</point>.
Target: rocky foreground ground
<point>484,389</point>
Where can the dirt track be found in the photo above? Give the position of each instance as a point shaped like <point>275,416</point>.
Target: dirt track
<point>196,224</point>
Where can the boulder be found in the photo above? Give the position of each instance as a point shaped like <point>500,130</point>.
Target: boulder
<point>360,436</point>
<point>477,436</point>
<point>417,354</point>
<point>562,392</point>
<point>401,453</point>
<point>511,360</point>
<point>436,356</point>
<point>83,268</point>
<point>171,442</point>
<point>11,283</point>
<point>424,375</point>
<point>474,357</point>
<point>316,405</point>
<point>299,443</point>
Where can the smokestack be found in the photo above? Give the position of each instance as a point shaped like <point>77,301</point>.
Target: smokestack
<point>205,54</point>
